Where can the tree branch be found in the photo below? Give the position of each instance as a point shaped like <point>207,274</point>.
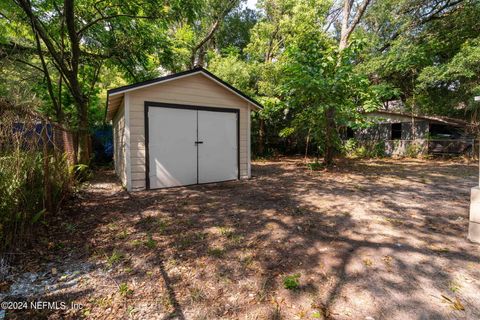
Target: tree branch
<point>36,25</point>
<point>230,5</point>
<point>28,64</point>
<point>47,75</point>
<point>347,7</point>
<point>103,18</point>
<point>11,47</point>
<point>432,15</point>
<point>332,17</point>
<point>72,34</point>
<point>347,29</point>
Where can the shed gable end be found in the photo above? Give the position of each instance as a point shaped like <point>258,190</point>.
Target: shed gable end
<point>195,89</point>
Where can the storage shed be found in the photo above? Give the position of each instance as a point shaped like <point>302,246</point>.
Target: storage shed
<point>182,129</point>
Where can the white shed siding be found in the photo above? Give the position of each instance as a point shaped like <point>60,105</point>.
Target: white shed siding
<point>119,143</point>
<point>197,90</point>
<point>249,141</point>
<point>128,135</point>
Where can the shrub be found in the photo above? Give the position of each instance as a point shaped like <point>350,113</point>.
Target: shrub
<point>365,149</point>
<point>82,172</point>
<point>379,150</point>
<point>413,150</point>
<point>349,147</point>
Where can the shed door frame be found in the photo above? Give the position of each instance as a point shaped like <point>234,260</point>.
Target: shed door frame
<point>149,104</point>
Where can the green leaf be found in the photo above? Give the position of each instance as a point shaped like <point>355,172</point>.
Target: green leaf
<point>38,215</point>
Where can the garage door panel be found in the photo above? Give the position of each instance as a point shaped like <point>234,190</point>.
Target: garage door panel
<point>172,150</point>
<point>217,154</point>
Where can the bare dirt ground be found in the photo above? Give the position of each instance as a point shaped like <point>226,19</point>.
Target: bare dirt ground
<point>379,239</point>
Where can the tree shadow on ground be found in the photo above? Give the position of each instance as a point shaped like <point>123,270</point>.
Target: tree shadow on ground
<point>380,238</point>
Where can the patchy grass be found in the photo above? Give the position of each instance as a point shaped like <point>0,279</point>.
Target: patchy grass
<point>115,258</point>
<point>314,166</point>
<point>186,241</point>
<point>292,282</point>
<point>122,235</point>
<point>216,252</point>
<point>124,290</point>
<point>150,243</point>
<point>197,295</point>
<point>225,231</point>
<point>393,221</point>
<point>454,286</point>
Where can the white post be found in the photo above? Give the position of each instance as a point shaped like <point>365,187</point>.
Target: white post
<point>474,223</point>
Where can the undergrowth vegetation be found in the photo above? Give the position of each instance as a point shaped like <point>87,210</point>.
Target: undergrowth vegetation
<point>22,186</point>
<point>365,149</point>
<point>35,176</point>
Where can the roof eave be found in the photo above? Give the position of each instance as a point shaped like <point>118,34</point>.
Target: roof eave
<point>450,122</point>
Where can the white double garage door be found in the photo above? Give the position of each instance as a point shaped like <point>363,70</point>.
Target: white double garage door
<point>190,145</point>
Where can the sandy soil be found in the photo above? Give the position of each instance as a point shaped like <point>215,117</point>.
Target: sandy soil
<point>379,239</point>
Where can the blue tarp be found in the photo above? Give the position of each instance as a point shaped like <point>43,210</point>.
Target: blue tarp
<point>102,143</point>
<point>35,133</point>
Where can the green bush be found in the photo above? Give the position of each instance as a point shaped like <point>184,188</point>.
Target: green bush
<point>379,150</point>
<point>413,150</point>
<point>365,149</point>
<point>349,147</point>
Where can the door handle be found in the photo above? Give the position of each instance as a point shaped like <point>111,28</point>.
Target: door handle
<point>198,142</point>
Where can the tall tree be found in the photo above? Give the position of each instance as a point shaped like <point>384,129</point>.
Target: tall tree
<point>321,85</point>
<point>213,16</point>
<point>414,46</point>
<point>352,14</point>
<point>77,38</point>
<point>280,59</point>
<point>234,33</point>
<point>268,41</point>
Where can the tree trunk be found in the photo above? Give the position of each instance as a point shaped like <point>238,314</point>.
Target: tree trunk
<point>349,25</point>
<point>307,142</point>
<point>201,57</point>
<point>330,136</point>
<point>83,135</point>
<point>347,6</point>
<point>261,137</point>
